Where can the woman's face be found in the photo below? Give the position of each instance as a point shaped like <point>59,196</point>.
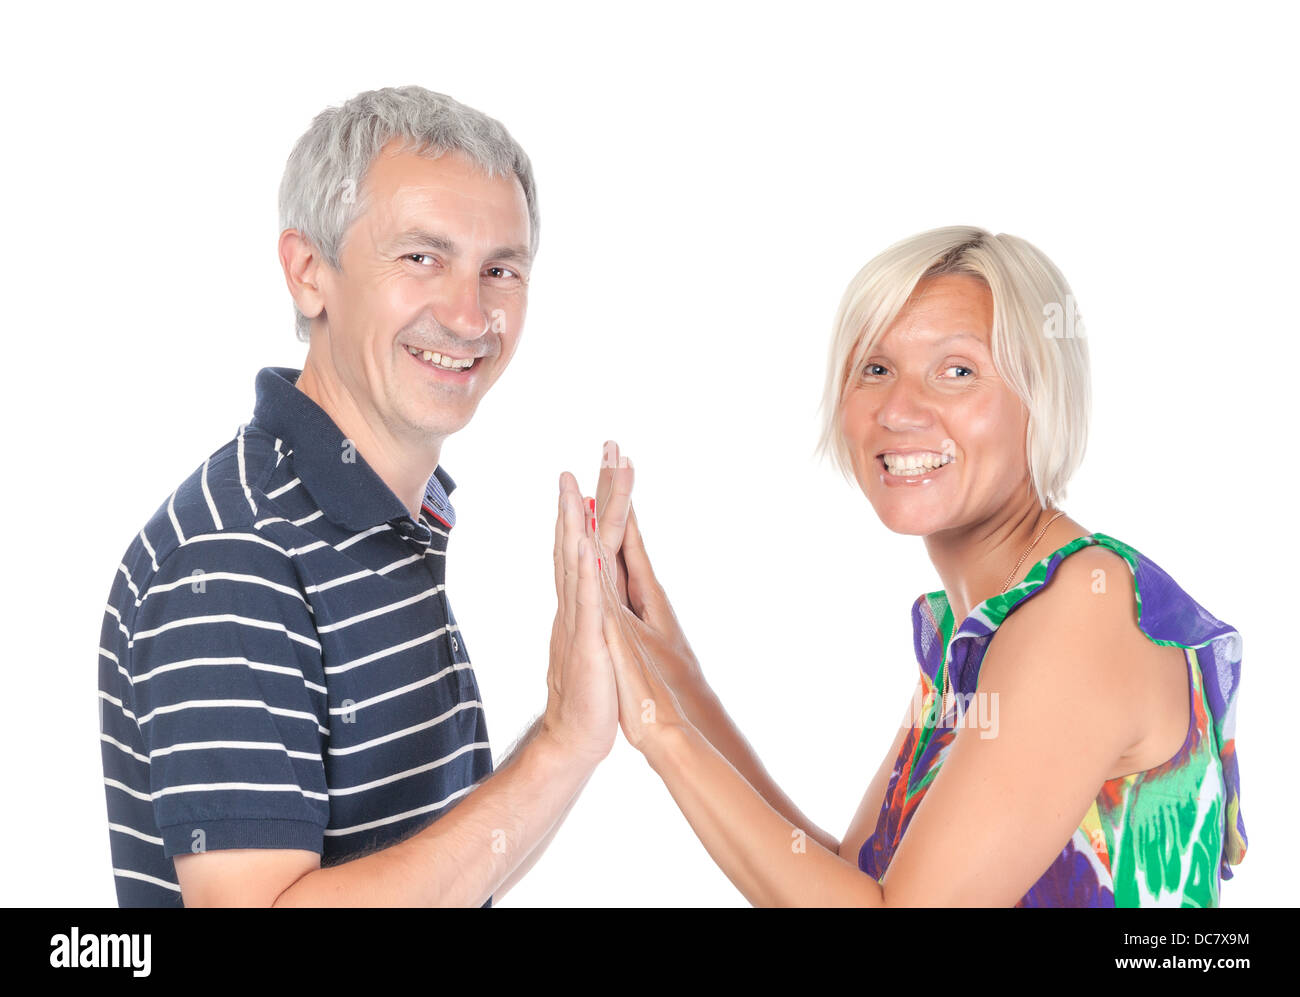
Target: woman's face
<point>927,395</point>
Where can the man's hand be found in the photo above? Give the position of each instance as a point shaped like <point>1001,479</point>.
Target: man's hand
<point>582,704</point>
<point>458,858</point>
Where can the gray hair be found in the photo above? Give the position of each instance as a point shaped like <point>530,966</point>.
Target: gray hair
<point>320,193</point>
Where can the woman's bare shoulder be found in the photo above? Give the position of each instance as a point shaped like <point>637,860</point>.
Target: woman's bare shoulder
<point>1091,588</point>
<point>1080,632</point>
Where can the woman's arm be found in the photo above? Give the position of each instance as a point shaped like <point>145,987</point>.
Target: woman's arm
<point>677,664</point>
<point>707,714</point>
<point>868,813</point>
<point>658,630</point>
<point>1002,806</point>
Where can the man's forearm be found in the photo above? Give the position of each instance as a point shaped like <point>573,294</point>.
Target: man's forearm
<point>522,869</point>
<point>463,857</point>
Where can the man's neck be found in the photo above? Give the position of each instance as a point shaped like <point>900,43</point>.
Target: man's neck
<point>405,470</point>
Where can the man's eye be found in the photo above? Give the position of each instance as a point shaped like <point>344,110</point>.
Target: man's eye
<point>418,256</point>
<point>500,272</point>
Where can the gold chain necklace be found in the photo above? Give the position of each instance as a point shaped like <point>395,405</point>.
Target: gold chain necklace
<point>947,683</point>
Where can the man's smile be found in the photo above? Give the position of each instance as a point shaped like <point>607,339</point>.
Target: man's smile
<point>445,365</point>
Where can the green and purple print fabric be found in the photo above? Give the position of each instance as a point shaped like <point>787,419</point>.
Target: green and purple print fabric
<point>1162,837</point>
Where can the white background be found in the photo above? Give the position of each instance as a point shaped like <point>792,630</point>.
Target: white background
<point>710,177</point>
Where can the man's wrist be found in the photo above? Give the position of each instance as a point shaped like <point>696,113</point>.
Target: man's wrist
<point>558,756</point>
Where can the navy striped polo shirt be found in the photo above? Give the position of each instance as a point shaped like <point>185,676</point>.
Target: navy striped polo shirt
<point>279,665</point>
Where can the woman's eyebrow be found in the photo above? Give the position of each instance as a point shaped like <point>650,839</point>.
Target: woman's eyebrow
<point>959,335</point>
<point>974,340</point>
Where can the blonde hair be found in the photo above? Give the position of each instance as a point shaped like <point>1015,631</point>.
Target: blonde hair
<point>1043,361</point>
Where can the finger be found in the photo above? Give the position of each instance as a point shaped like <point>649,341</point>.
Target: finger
<point>642,585</point>
<point>609,457</point>
<point>612,510</point>
<point>558,552</point>
<point>620,578</point>
<point>573,533</point>
<point>589,527</point>
<point>629,677</point>
<point>614,471</point>
<point>589,612</point>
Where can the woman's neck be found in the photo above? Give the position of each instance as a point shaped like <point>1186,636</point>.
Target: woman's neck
<point>973,562</point>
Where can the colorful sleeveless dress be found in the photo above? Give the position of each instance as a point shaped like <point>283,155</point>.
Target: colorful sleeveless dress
<point>1162,837</point>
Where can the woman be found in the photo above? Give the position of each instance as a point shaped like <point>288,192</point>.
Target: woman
<point>957,395</point>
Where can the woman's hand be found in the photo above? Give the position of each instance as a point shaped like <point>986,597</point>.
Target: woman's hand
<point>635,580</point>
<point>647,708</point>
<point>658,625</point>
<point>613,504</point>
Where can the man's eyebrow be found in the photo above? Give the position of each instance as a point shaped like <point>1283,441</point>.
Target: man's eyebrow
<point>436,241</point>
<point>511,254</point>
<point>425,238</point>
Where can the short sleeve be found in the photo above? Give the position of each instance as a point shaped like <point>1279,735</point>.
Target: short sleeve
<point>228,691</point>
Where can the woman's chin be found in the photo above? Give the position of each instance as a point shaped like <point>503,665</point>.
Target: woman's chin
<point>909,522</point>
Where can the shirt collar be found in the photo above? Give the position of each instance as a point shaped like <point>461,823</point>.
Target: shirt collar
<point>347,489</point>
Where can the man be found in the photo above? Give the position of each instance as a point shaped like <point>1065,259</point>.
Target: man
<point>289,713</point>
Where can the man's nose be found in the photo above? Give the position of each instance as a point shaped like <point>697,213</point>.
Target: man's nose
<point>459,308</point>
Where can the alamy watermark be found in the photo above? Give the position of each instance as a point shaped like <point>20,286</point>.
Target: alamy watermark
<point>976,710</point>
<point>77,951</point>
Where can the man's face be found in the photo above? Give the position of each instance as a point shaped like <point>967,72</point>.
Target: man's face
<point>437,262</point>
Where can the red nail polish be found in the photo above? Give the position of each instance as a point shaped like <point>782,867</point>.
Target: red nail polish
<point>597,564</point>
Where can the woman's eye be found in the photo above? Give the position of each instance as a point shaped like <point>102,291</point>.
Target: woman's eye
<point>871,369</point>
<point>960,367</point>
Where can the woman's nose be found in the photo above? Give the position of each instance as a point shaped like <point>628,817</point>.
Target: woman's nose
<point>904,407</point>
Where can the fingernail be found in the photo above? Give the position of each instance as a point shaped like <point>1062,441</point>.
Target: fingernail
<point>597,564</point>
<point>624,462</point>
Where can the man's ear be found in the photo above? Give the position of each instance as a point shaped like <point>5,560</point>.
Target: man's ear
<point>301,263</point>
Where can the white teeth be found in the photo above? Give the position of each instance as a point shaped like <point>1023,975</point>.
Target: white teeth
<point>447,363</point>
<point>911,465</point>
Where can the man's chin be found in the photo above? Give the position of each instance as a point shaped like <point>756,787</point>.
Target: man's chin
<point>439,426</point>
<point>433,432</point>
